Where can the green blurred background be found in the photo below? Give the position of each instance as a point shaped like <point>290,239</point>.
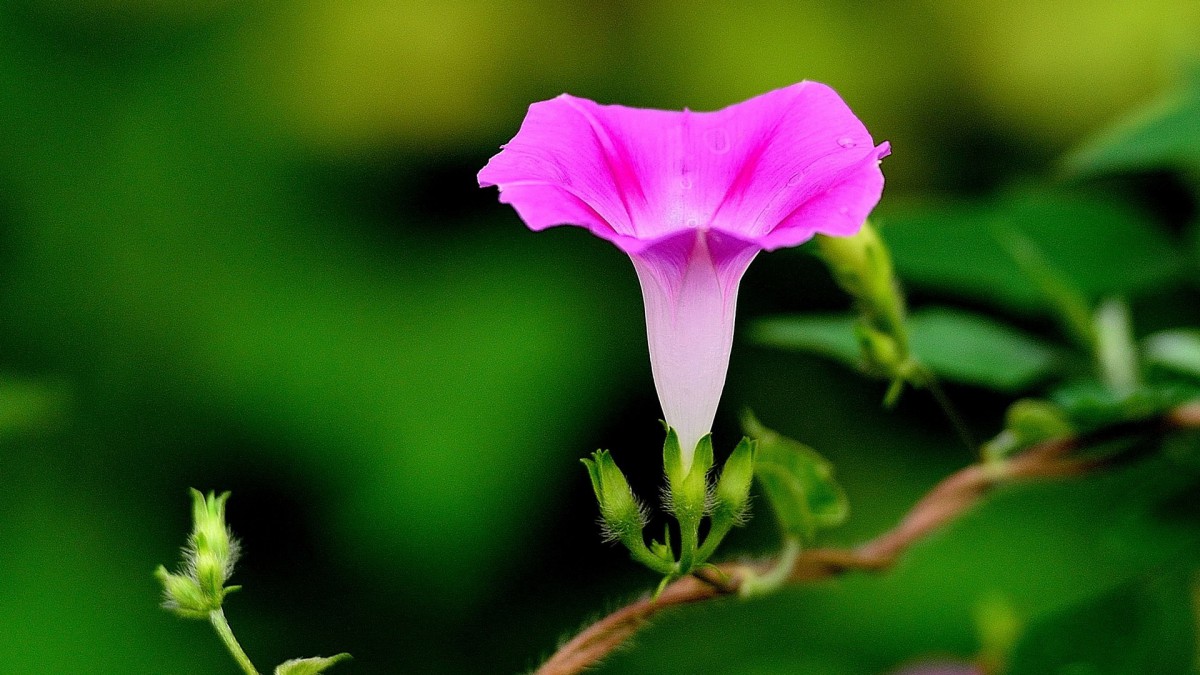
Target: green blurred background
<point>242,247</point>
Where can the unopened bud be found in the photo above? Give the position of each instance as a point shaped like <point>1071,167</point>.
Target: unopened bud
<point>1028,421</point>
<point>620,511</point>
<point>732,496</point>
<point>855,260</point>
<point>879,350</point>
<point>1037,420</point>
<point>862,266</point>
<point>199,586</point>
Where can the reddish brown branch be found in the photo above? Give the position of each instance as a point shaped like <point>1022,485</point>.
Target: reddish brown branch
<point>948,500</point>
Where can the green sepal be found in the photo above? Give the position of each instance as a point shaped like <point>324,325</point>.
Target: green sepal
<point>622,515</point>
<point>688,493</point>
<point>593,469</point>
<point>310,666</point>
<point>672,457</point>
<point>730,498</point>
<point>662,551</point>
<point>702,459</point>
<point>798,483</point>
<point>209,530</point>
<point>691,498</point>
<point>183,596</point>
<point>687,488</point>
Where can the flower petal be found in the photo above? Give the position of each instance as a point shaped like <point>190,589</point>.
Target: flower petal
<point>774,169</point>
<point>690,285</point>
<point>579,163</point>
<point>805,164</point>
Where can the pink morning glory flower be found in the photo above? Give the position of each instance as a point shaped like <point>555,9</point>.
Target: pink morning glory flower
<point>692,197</point>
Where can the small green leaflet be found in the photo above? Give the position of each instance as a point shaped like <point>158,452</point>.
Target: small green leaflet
<point>310,666</point>
<point>798,483</point>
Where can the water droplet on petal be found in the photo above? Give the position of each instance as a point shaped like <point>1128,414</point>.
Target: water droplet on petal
<point>686,182</point>
<point>796,179</point>
<point>693,222</point>
<point>718,140</point>
<point>846,142</point>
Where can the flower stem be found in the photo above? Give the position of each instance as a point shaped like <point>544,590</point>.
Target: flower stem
<point>689,536</point>
<point>221,625</point>
<point>712,540</point>
<point>930,382</point>
<point>641,554</point>
<point>772,579</point>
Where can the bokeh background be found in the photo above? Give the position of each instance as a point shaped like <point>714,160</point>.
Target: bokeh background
<point>242,247</point>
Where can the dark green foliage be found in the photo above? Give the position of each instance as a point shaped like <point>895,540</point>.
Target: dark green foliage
<point>1142,626</point>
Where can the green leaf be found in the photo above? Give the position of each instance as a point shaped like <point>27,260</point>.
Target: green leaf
<point>1102,247</point>
<point>1164,134</point>
<point>1090,405</point>
<point>798,483</point>
<point>1143,626</point>
<point>1174,350</point>
<point>829,335</point>
<point>1061,295</point>
<point>956,345</point>
<point>309,666</point>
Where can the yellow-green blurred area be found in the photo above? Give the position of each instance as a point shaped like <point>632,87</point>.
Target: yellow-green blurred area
<point>242,247</point>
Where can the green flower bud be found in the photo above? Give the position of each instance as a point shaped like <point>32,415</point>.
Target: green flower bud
<point>621,514</point>
<point>1037,420</point>
<point>732,496</point>
<point>210,533</point>
<point>853,259</point>
<point>862,266</point>
<point>880,351</point>
<point>1028,421</point>
<point>208,560</point>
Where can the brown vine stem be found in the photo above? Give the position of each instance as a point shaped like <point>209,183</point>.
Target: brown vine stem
<point>949,499</point>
